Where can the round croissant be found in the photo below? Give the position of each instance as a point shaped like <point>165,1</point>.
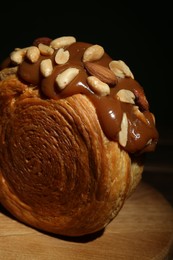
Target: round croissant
<point>61,168</point>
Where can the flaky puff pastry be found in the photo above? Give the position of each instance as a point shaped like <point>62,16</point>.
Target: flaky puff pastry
<point>74,126</point>
<point>59,172</point>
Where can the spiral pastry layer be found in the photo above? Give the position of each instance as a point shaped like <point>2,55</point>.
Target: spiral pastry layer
<point>71,136</point>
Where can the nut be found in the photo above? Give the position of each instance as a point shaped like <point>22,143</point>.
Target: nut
<point>62,42</point>
<point>141,100</point>
<point>33,54</point>
<point>93,53</point>
<point>120,69</point>
<point>125,95</point>
<point>64,78</point>
<point>139,114</point>
<point>18,55</point>
<point>123,133</point>
<point>46,67</point>
<point>45,49</point>
<point>98,86</point>
<point>101,72</point>
<point>62,56</point>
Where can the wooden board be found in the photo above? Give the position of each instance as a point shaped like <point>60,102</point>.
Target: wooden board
<point>142,230</point>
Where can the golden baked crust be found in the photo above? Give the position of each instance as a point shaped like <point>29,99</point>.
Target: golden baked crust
<point>59,171</point>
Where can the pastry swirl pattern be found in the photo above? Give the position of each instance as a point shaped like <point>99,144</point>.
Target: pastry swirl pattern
<point>63,167</point>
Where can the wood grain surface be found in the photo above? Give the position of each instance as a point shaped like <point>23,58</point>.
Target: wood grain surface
<point>142,230</point>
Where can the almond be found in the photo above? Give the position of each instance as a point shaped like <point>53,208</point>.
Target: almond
<point>141,99</point>
<point>101,72</point>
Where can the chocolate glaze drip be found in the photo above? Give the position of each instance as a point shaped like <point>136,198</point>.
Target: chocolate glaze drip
<point>58,171</point>
<point>142,133</point>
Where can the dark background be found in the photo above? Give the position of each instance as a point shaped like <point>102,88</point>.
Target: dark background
<point>138,33</point>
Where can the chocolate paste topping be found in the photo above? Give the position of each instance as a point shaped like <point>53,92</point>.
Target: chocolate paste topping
<point>142,135</point>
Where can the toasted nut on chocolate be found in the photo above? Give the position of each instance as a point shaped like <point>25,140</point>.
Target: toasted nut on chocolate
<point>125,95</point>
<point>33,54</point>
<point>64,78</point>
<point>45,49</point>
<point>62,42</point>
<point>141,100</point>
<point>139,114</point>
<point>120,69</point>
<point>18,55</point>
<point>98,86</point>
<point>93,53</point>
<point>123,134</point>
<point>46,67</point>
<point>62,56</point>
<point>101,72</point>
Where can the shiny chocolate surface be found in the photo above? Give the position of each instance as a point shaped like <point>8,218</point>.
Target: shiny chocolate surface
<point>142,135</point>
